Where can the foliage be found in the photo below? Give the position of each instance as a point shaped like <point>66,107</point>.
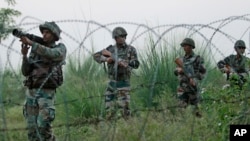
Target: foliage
<point>11,2</point>
<point>7,22</point>
<point>12,87</point>
<point>155,115</point>
<point>85,84</point>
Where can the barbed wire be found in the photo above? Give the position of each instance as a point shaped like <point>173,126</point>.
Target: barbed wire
<point>137,87</point>
<point>160,37</point>
<point>140,30</point>
<point>97,120</point>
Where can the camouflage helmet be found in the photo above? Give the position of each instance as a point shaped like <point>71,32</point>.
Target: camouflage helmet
<point>119,31</point>
<point>188,41</point>
<point>53,27</point>
<point>239,43</point>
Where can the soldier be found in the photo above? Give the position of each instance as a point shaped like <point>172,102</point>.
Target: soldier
<point>43,72</point>
<point>120,58</point>
<point>190,69</point>
<point>236,66</point>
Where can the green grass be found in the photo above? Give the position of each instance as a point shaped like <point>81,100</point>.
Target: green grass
<point>80,103</point>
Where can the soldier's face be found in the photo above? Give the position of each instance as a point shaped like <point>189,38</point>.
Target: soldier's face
<point>240,50</point>
<point>187,48</point>
<point>48,36</point>
<point>120,40</point>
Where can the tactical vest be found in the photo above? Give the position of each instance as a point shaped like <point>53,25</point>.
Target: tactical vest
<point>123,53</point>
<point>191,65</point>
<point>238,65</point>
<point>44,74</point>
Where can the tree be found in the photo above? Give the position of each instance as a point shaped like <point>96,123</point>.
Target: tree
<point>6,19</point>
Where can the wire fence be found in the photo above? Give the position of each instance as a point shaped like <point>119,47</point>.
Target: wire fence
<point>80,41</point>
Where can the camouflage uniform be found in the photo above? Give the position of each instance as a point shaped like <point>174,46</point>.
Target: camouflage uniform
<point>237,66</point>
<point>43,73</point>
<point>117,95</point>
<point>193,68</point>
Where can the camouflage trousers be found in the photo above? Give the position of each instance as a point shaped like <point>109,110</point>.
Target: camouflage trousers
<point>187,96</point>
<point>39,112</point>
<point>117,99</point>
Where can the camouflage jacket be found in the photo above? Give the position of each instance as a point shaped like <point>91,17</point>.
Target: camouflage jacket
<point>193,67</point>
<point>126,54</point>
<point>238,65</point>
<point>41,60</point>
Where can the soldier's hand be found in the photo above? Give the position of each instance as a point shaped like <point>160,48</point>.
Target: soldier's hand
<point>106,53</point>
<point>179,70</point>
<point>123,64</point>
<point>225,70</point>
<point>25,49</point>
<point>26,40</point>
<point>192,82</point>
<point>109,60</point>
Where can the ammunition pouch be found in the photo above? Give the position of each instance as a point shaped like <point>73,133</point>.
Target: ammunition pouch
<point>28,82</point>
<point>45,77</point>
<point>122,74</point>
<point>122,71</point>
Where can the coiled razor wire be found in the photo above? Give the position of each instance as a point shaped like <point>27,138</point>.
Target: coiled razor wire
<point>81,44</point>
<point>192,30</point>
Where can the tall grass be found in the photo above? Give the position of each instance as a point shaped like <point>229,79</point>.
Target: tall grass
<point>84,85</point>
<point>12,87</point>
<point>80,102</point>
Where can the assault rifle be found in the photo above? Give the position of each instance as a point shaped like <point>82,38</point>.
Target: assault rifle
<point>19,34</point>
<point>179,63</point>
<point>106,53</point>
